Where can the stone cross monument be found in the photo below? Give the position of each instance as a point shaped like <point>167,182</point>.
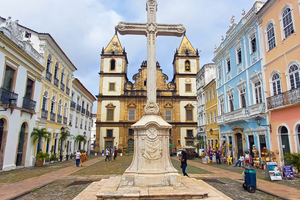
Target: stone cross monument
<point>151,165</point>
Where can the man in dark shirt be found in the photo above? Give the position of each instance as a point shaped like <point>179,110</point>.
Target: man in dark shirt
<point>183,163</point>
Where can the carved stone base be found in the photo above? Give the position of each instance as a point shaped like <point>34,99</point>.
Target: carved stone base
<point>151,164</point>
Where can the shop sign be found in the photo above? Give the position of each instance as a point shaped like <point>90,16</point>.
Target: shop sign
<point>274,171</point>
<point>288,172</point>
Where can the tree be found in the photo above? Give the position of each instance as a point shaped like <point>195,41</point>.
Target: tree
<point>199,142</point>
<point>38,134</point>
<point>293,159</point>
<point>64,134</point>
<point>80,138</point>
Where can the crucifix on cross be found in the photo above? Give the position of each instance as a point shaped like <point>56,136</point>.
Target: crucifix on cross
<point>151,29</point>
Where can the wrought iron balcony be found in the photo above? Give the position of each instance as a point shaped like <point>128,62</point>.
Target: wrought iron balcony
<point>88,113</point>
<point>44,114</point>
<point>6,96</point>
<point>83,110</point>
<point>48,76</point>
<point>52,116</point>
<point>56,81</point>
<point>67,90</point>
<point>59,117</point>
<point>78,108</point>
<point>29,104</point>
<point>62,86</point>
<point>73,104</point>
<point>65,120</point>
<point>286,98</point>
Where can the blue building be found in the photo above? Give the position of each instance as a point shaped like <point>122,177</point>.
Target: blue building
<point>241,96</point>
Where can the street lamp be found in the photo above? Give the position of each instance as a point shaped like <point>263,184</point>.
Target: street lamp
<point>211,131</point>
<point>6,105</point>
<point>258,121</point>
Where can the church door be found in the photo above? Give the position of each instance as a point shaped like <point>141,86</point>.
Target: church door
<point>239,144</point>
<point>108,145</point>
<point>20,145</point>
<point>131,145</point>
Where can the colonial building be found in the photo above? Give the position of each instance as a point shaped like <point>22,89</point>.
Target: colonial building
<point>211,111</point>
<point>241,96</point>
<point>121,102</point>
<point>280,45</point>
<point>80,118</point>
<point>205,75</point>
<point>21,82</point>
<point>93,132</point>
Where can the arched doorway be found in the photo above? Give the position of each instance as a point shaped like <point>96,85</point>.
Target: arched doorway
<point>21,145</point>
<point>298,138</point>
<point>2,142</point>
<point>131,145</point>
<point>285,142</point>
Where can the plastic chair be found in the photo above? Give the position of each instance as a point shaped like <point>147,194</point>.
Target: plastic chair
<point>229,161</point>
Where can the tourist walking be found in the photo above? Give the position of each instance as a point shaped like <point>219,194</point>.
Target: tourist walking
<point>77,157</point>
<point>241,159</point>
<point>107,155</point>
<point>183,163</point>
<point>83,158</point>
<point>115,154</point>
<point>218,157</point>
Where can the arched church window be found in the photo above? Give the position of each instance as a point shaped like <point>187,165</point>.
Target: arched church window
<point>187,65</point>
<point>112,65</point>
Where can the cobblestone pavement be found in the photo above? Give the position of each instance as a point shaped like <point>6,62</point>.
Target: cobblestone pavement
<point>294,183</point>
<point>21,174</point>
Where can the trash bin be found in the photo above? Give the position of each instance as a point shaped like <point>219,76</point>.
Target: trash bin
<point>250,180</point>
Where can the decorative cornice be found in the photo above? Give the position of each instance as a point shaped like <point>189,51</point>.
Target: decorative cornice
<point>241,85</point>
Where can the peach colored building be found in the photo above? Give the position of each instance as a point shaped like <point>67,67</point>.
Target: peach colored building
<point>280,21</point>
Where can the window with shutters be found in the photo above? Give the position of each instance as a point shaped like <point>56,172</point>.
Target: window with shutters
<point>168,115</point>
<point>110,115</point>
<point>189,112</point>
<point>112,87</point>
<point>188,87</point>
<point>109,133</point>
<point>131,114</point>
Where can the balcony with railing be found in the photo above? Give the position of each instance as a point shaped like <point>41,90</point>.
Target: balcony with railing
<point>78,108</point>
<point>6,96</point>
<point>48,76</point>
<point>83,111</point>
<point>44,114</point>
<point>52,116</point>
<point>65,120</point>
<point>56,81</point>
<point>62,87</point>
<point>28,104</point>
<point>67,90</point>
<point>88,113</point>
<point>286,98</point>
<point>73,104</point>
<point>59,117</point>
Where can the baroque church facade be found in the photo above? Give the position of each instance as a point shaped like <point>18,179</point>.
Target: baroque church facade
<point>121,102</point>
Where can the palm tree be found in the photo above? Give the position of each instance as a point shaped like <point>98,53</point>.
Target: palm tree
<point>38,134</point>
<point>64,134</point>
<point>80,138</point>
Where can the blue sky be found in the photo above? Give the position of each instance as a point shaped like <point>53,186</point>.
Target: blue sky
<point>83,27</point>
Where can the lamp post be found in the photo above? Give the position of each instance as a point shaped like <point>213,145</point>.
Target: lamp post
<point>62,129</point>
<point>258,121</point>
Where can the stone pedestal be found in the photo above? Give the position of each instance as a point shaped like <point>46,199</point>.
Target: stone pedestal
<point>151,164</point>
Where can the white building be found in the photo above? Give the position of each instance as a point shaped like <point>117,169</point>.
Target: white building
<point>80,118</point>
<point>21,83</point>
<point>93,131</point>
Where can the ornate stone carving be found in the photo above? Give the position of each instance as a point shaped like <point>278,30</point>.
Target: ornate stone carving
<point>151,108</point>
<point>151,149</point>
<point>13,27</point>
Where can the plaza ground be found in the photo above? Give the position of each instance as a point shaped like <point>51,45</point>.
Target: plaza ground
<point>63,180</point>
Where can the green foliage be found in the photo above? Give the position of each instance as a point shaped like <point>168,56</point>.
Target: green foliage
<point>294,159</point>
<point>119,150</point>
<point>38,134</point>
<point>126,150</point>
<point>53,158</point>
<point>72,156</point>
<point>42,156</point>
<point>80,138</point>
<point>64,134</point>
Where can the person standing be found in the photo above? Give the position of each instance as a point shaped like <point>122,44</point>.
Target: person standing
<point>83,158</point>
<point>241,159</point>
<point>115,154</point>
<point>183,163</point>
<point>107,155</point>
<point>77,157</point>
<point>218,157</point>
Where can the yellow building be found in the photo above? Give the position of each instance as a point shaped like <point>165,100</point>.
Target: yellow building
<point>211,108</point>
<point>56,86</point>
<point>121,102</point>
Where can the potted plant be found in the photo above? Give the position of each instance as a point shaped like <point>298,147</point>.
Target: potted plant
<point>53,158</point>
<point>40,157</point>
<point>126,151</point>
<point>294,160</point>
<point>120,152</point>
<point>64,134</point>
